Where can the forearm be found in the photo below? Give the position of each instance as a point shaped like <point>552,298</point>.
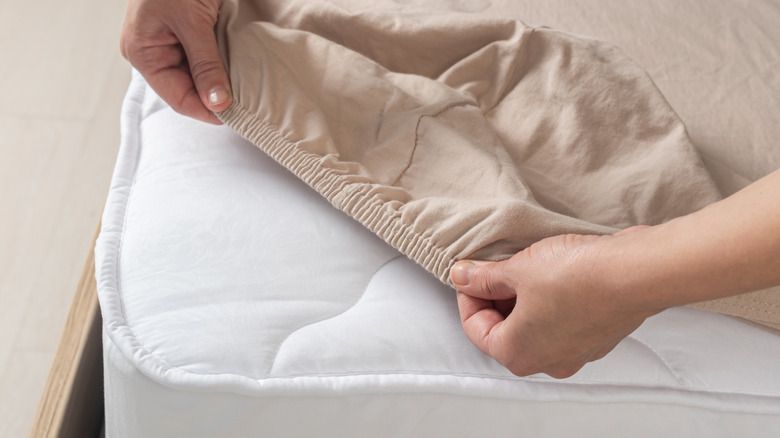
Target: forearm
<point>728,248</point>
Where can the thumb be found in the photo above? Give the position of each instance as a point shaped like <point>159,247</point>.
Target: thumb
<point>206,66</point>
<point>483,279</point>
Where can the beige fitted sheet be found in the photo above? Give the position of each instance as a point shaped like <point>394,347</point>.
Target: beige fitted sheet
<point>455,134</point>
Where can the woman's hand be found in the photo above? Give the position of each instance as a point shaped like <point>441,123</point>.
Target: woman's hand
<point>570,299</point>
<point>172,44</point>
<point>546,310</point>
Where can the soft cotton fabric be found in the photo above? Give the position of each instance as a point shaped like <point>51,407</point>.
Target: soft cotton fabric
<point>454,136</point>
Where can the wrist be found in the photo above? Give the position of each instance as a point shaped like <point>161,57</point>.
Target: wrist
<point>645,270</point>
<point>687,260</point>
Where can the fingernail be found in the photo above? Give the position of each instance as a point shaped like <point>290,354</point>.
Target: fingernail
<point>460,274</point>
<point>218,95</point>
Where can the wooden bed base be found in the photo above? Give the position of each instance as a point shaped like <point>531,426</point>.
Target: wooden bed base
<point>72,400</point>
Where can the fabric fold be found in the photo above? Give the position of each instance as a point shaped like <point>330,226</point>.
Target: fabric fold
<point>454,136</point>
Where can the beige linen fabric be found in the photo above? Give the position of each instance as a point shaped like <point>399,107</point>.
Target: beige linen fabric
<point>457,136</point>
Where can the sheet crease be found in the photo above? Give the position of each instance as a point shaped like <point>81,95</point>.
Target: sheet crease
<point>458,136</point>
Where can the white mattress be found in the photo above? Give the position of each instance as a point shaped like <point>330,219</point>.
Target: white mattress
<point>237,302</point>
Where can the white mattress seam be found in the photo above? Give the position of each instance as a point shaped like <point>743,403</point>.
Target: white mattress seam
<point>139,350</point>
<point>528,380</point>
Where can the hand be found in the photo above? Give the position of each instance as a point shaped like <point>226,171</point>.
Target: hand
<point>172,44</point>
<point>546,310</point>
<point>568,300</point>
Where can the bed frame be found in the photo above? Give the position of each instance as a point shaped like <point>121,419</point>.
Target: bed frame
<point>72,401</point>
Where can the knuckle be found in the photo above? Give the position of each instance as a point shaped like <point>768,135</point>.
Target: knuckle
<point>145,59</point>
<point>202,69</point>
<point>523,367</point>
<point>133,49</point>
<point>489,281</point>
<point>485,282</point>
<point>520,367</point>
<point>563,372</point>
<point>209,7</point>
<point>523,371</point>
<point>201,15</point>
<point>127,43</point>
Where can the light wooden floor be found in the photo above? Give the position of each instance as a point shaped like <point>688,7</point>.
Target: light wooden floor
<point>61,84</point>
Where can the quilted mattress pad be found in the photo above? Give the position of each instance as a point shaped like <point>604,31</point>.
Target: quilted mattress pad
<point>238,302</point>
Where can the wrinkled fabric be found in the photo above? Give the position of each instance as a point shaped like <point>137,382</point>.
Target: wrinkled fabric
<point>456,136</point>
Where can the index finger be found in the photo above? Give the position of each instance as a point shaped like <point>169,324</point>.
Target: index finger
<point>481,322</point>
<point>171,80</point>
<point>206,67</point>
